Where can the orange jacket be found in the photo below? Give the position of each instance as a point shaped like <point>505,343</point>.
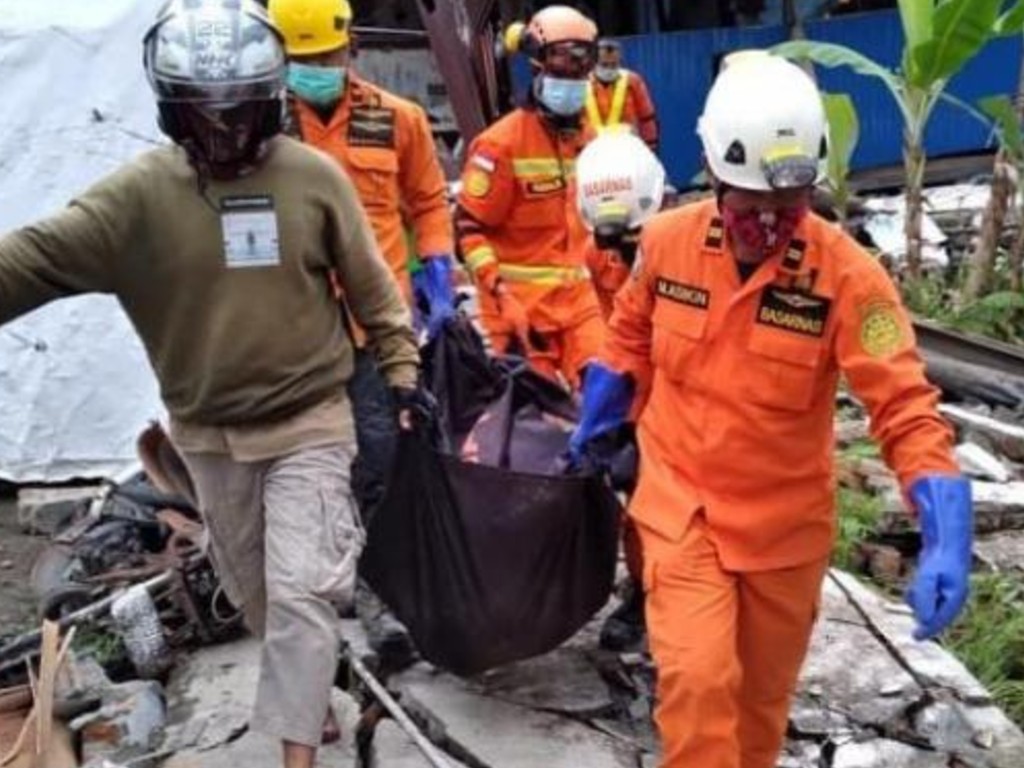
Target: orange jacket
<point>626,100</point>
<point>609,272</point>
<point>742,381</point>
<point>517,219</point>
<point>384,144</point>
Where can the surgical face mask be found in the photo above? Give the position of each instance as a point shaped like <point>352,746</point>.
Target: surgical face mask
<point>605,73</point>
<point>763,232</point>
<point>561,96</point>
<point>320,86</point>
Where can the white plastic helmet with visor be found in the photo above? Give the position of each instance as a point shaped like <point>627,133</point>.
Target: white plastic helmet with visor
<point>763,126</point>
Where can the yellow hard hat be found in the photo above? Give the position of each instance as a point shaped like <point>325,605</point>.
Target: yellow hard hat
<point>312,26</point>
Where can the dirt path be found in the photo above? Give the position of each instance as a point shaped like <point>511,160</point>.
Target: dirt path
<point>17,554</point>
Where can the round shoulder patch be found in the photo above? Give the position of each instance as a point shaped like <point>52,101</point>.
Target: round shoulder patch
<point>478,182</point>
<point>881,332</point>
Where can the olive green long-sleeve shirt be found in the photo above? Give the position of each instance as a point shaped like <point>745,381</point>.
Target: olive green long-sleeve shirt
<point>228,288</point>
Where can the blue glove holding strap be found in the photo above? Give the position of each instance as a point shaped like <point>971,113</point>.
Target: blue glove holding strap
<point>607,398</point>
<point>940,587</point>
<point>433,288</point>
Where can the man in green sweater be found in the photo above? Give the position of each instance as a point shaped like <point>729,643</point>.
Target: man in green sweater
<point>222,249</point>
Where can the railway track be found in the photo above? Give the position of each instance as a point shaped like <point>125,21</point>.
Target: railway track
<point>969,349</point>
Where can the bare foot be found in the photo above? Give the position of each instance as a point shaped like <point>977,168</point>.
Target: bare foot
<point>331,731</point>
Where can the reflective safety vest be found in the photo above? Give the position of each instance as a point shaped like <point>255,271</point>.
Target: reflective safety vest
<point>618,105</point>
<point>517,216</point>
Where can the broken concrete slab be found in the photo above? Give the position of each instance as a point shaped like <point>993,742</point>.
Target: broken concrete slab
<point>80,685</point>
<point>210,694</point>
<point>1008,439</point>
<point>976,462</point>
<point>1001,551</point>
<point>982,736</point>
<point>800,754</point>
<point>562,681</point>
<point>257,750</point>
<point>883,753</point>
<point>483,731</point>
<point>927,662</point>
<point>874,691</point>
<point>128,724</point>
<point>998,506</point>
<point>392,748</point>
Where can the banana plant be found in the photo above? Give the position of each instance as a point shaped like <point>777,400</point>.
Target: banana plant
<point>940,38</point>
<point>1006,180</point>
<point>843,134</point>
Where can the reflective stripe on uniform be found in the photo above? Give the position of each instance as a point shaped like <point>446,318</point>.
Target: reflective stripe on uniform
<point>526,167</point>
<point>520,273</point>
<point>480,257</point>
<point>618,103</point>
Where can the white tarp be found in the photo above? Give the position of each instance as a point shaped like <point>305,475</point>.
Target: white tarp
<point>75,385</point>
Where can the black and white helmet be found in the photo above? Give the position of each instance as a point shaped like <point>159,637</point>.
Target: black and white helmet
<point>222,59</point>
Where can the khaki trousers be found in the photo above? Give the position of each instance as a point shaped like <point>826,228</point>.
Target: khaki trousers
<point>286,538</point>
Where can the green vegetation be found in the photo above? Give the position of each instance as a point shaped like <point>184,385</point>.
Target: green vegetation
<point>859,513</point>
<point>989,636</point>
<point>989,639</point>
<point>941,38</point>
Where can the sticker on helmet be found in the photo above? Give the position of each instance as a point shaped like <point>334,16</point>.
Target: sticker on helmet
<point>478,183</point>
<point>881,332</point>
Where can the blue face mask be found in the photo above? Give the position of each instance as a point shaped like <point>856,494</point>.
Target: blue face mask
<point>320,86</point>
<point>563,97</point>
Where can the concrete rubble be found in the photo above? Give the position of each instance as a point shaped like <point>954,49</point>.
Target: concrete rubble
<point>869,697</point>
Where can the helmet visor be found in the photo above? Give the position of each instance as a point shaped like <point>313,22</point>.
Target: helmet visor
<point>214,52</point>
<point>571,59</point>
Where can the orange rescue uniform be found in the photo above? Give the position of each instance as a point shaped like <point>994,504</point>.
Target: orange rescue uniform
<point>624,101</point>
<point>384,144</point>
<point>609,272</point>
<point>518,221</point>
<point>735,499</point>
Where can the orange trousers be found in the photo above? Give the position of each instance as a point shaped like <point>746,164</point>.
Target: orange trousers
<point>728,648</point>
<point>563,352</point>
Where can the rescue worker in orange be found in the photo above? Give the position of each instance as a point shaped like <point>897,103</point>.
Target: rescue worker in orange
<point>384,144</point>
<point>618,96</point>
<point>382,141</point>
<point>740,316</point>
<point>620,185</point>
<point>520,233</point>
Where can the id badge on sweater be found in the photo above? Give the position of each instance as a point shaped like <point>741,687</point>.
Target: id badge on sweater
<point>249,232</point>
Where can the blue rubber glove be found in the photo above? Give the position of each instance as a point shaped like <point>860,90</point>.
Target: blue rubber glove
<point>433,288</point>
<point>939,589</point>
<point>607,398</point>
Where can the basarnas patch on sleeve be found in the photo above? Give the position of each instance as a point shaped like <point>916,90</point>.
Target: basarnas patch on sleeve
<point>881,331</point>
<point>477,182</point>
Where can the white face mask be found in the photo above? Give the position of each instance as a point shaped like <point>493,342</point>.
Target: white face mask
<point>563,96</point>
<point>606,73</point>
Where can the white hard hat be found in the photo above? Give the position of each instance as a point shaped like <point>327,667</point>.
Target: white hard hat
<point>764,126</point>
<point>618,180</point>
